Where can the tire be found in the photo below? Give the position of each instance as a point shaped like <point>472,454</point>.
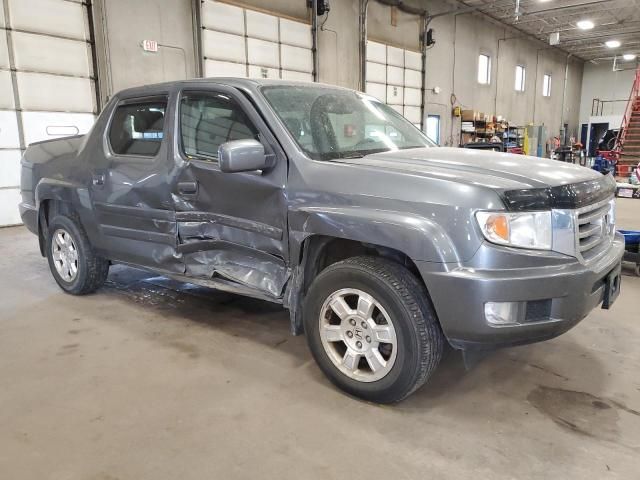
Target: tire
<point>402,321</point>
<point>66,236</point>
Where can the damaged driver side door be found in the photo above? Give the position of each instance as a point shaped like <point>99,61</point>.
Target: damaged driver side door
<point>231,226</point>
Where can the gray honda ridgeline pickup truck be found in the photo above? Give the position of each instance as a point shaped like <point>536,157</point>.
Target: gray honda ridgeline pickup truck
<point>381,245</point>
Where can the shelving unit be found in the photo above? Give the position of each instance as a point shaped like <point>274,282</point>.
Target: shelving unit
<point>476,131</point>
<point>514,137</point>
<point>475,127</point>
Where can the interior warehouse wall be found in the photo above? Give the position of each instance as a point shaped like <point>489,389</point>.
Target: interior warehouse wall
<point>600,81</point>
<point>452,65</point>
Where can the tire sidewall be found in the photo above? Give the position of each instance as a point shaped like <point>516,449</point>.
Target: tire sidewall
<point>65,223</point>
<point>405,369</point>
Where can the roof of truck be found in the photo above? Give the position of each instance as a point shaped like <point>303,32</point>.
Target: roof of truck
<point>237,82</point>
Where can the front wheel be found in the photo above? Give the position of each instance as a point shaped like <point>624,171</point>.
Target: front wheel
<point>73,263</point>
<point>371,329</point>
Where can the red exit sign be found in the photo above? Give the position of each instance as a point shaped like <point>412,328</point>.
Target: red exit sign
<point>150,46</point>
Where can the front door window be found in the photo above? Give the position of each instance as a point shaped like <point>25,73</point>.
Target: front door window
<point>208,121</point>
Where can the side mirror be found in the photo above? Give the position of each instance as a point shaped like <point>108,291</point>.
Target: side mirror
<point>242,156</point>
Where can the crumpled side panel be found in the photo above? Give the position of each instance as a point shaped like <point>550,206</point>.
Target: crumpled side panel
<point>192,231</point>
<point>243,265</point>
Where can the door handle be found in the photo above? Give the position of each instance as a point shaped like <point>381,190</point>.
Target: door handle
<point>98,179</point>
<point>188,188</point>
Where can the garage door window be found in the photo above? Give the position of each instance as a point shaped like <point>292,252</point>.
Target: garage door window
<point>137,129</point>
<point>208,121</point>
<point>394,76</point>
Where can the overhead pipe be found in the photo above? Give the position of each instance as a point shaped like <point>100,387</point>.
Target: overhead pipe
<point>400,5</point>
<point>535,85</point>
<point>426,20</point>
<point>364,6</point>
<point>564,95</point>
<point>314,40</point>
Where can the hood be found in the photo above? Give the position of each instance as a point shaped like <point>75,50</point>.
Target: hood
<point>499,171</point>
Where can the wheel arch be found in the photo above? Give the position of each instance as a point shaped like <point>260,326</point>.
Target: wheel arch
<point>47,209</point>
<point>52,197</point>
<point>322,232</point>
<point>317,252</point>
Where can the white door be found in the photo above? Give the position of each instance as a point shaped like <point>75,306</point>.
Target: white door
<point>239,42</point>
<point>46,44</point>
<point>394,75</point>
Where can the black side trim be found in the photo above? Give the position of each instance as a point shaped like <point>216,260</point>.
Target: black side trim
<point>571,196</point>
<point>142,235</point>
<point>242,224</point>
<point>138,212</point>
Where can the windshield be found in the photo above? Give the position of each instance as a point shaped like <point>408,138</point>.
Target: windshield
<point>329,123</point>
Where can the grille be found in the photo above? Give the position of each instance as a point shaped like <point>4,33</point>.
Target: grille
<point>594,230</point>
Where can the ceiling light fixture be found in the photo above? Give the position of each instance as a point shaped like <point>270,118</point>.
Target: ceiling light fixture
<point>629,56</point>
<point>585,24</point>
<point>612,43</point>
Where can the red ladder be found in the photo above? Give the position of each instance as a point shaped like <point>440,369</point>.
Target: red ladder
<point>628,140</point>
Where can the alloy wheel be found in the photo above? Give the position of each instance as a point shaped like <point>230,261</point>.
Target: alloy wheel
<point>65,255</point>
<point>358,335</point>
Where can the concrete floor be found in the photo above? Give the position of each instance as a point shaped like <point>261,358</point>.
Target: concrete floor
<point>148,379</point>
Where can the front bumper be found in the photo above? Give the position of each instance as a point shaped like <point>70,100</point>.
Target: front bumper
<point>558,290</point>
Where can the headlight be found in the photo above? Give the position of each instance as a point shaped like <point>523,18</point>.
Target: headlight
<point>524,230</point>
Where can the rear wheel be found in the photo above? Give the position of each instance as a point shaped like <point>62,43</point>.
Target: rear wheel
<point>73,263</point>
<point>371,328</point>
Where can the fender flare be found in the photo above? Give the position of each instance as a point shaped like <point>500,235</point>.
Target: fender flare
<point>52,189</point>
<point>420,238</point>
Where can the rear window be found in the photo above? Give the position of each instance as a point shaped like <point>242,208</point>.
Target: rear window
<point>137,128</point>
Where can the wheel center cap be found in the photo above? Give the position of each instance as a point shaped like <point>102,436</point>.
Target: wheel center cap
<point>356,334</point>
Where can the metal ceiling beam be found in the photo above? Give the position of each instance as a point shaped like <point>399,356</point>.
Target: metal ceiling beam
<point>591,48</point>
<point>587,12</point>
<point>604,35</point>
<point>564,7</point>
<point>611,25</point>
<point>515,27</point>
<point>536,22</point>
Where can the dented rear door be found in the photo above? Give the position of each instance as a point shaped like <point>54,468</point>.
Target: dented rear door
<point>130,188</point>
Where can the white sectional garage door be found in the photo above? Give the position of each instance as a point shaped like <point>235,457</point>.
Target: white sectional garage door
<point>45,52</point>
<point>394,75</point>
<point>239,42</point>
